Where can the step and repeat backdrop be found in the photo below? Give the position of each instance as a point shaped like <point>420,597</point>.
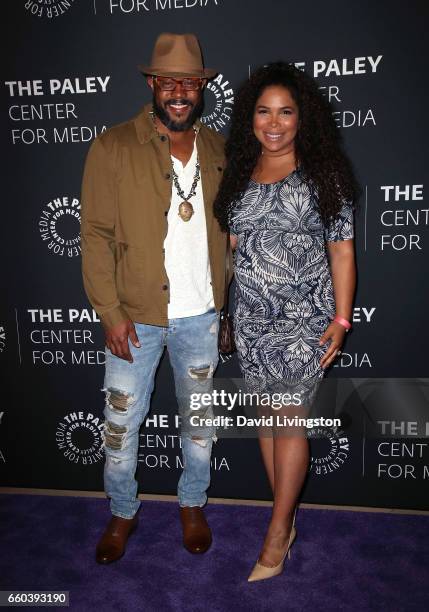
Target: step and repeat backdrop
<point>71,73</point>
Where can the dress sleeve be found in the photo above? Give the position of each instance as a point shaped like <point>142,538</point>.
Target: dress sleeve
<point>341,228</point>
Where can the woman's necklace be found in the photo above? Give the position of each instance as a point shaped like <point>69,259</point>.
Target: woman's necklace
<point>186,210</point>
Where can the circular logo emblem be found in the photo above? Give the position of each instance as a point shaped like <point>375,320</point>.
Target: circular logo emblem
<point>79,438</point>
<point>219,101</point>
<point>48,8</point>
<point>330,449</point>
<point>59,226</point>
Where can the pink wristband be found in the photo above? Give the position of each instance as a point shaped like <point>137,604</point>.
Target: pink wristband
<point>343,322</point>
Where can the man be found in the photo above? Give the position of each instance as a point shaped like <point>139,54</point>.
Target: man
<point>153,260</point>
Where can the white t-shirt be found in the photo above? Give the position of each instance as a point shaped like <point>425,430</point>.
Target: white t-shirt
<point>186,250</point>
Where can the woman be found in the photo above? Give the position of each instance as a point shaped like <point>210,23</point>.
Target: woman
<point>286,197</point>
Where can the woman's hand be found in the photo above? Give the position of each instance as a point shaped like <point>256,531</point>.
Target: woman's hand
<point>335,333</point>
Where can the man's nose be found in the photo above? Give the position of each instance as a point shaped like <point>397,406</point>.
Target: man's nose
<point>178,89</point>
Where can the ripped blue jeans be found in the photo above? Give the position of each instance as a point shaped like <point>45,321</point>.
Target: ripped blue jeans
<point>192,344</point>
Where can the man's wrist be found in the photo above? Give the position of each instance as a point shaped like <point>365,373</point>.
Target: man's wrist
<point>113,317</point>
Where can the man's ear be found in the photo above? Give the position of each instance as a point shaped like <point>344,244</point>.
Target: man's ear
<point>149,80</point>
<point>204,83</point>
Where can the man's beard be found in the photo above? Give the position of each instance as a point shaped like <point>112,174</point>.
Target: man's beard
<point>176,126</point>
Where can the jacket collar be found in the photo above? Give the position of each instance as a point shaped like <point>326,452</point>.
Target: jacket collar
<point>145,128</point>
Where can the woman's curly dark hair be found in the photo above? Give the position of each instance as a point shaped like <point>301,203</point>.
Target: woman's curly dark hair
<point>317,143</point>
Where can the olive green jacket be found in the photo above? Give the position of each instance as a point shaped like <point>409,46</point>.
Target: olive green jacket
<point>126,193</point>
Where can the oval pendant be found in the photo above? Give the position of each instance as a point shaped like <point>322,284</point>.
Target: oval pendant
<point>185,211</point>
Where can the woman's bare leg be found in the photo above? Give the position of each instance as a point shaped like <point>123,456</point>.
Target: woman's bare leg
<point>267,451</point>
<point>290,460</point>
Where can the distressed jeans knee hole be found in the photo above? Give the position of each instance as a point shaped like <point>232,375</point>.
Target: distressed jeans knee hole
<point>200,441</point>
<point>201,372</point>
<point>118,401</point>
<point>114,435</point>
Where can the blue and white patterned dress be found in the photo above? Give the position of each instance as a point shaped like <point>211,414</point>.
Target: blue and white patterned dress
<point>284,297</point>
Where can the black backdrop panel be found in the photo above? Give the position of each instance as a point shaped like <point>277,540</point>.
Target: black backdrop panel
<point>72,72</point>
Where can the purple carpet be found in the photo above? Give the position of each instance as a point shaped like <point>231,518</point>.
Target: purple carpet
<point>340,560</point>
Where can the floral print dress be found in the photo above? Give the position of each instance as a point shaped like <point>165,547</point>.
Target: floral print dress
<point>284,297</point>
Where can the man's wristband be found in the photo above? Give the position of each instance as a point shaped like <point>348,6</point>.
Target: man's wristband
<point>343,322</point>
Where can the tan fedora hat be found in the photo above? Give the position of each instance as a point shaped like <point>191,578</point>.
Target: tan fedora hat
<point>176,55</point>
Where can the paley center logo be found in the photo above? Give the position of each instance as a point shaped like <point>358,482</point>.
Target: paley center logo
<point>59,226</point>
<point>329,450</point>
<point>79,438</point>
<point>48,8</point>
<point>218,103</point>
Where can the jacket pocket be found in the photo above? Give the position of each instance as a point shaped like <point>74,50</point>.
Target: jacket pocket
<point>129,274</point>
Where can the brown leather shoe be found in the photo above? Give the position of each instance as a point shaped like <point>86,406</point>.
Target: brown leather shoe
<point>113,542</point>
<point>197,536</point>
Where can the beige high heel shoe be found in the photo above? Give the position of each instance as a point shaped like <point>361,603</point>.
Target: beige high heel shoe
<point>262,572</point>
